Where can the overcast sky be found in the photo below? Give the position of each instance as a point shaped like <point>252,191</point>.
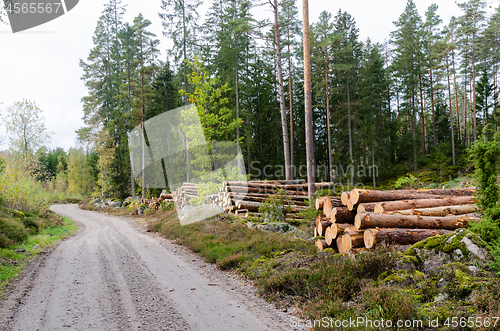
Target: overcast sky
<point>42,64</point>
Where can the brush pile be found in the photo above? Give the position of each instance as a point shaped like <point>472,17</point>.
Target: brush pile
<point>364,218</point>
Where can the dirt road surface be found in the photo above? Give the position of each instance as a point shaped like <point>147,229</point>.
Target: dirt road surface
<point>110,276</point>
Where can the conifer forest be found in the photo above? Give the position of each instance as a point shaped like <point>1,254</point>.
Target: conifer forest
<point>417,101</point>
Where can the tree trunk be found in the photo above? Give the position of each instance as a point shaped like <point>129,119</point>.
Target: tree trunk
<point>422,111</point>
<point>451,111</point>
<point>284,124</point>
<point>308,101</point>
<point>330,168</point>
<point>372,220</point>
<point>371,237</point>
<point>433,110</point>
<point>421,203</point>
<point>474,82</point>
<point>290,94</point>
<point>456,96</point>
<point>351,160</point>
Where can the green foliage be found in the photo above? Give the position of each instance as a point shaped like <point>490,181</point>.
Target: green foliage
<point>167,206</point>
<point>486,155</point>
<point>19,190</point>
<point>13,230</point>
<point>408,181</point>
<point>26,126</point>
<point>274,208</point>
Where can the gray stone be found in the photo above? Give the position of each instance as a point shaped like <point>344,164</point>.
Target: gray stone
<point>474,249</point>
<point>141,210</point>
<point>459,254</point>
<point>441,297</point>
<point>473,269</point>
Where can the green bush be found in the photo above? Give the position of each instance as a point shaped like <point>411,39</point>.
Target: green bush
<point>12,230</point>
<point>19,190</point>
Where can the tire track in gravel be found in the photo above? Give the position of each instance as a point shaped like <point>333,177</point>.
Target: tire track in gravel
<point>109,276</point>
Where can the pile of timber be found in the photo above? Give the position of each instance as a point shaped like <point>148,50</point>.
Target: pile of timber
<point>165,196</point>
<point>184,193</point>
<point>245,198</point>
<point>401,217</point>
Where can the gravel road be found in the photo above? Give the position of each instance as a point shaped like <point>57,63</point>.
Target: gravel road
<point>111,276</point>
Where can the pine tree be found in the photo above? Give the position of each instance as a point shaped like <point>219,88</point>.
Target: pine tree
<point>180,23</point>
<point>471,23</point>
<point>407,64</point>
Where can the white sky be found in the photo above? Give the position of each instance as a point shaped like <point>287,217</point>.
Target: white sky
<point>42,64</point>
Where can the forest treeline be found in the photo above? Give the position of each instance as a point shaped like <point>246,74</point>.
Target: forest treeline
<point>379,110</point>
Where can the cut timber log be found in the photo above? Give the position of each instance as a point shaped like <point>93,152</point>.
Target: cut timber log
<point>335,230</point>
<point>340,245</point>
<point>322,226</point>
<point>320,218</point>
<point>344,197</point>
<point>367,207</point>
<point>328,206</point>
<point>342,215</point>
<point>438,211</point>
<point>272,182</point>
<point>360,196</point>
<point>321,244</point>
<point>399,236</point>
<point>450,192</point>
<point>252,206</point>
<point>372,220</point>
<point>352,239</point>
<point>319,203</point>
<point>421,203</point>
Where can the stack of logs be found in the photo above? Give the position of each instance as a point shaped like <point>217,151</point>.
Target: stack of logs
<point>364,218</point>
<point>244,198</point>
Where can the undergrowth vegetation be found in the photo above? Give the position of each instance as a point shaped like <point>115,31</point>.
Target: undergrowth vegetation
<point>27,226</point>
<point>377,284</point>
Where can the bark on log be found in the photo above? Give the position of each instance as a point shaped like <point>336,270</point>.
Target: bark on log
<point>399,236</point>
<point>372,220</point>
<point>165,196</point>
<point>250,196</point>
<point>301,187</point>
<point>262,190</point>
<point>251,205</point>
<point>367,207</point>
<point>343,215</point>
<point>451,192</point>
<point>421,203</point>
<point>437,211</point>
<point>360,196</point>
<point>320,218</point>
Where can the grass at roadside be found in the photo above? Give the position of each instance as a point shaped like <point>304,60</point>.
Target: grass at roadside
<point>13,257</point>
<point>380,284</point>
